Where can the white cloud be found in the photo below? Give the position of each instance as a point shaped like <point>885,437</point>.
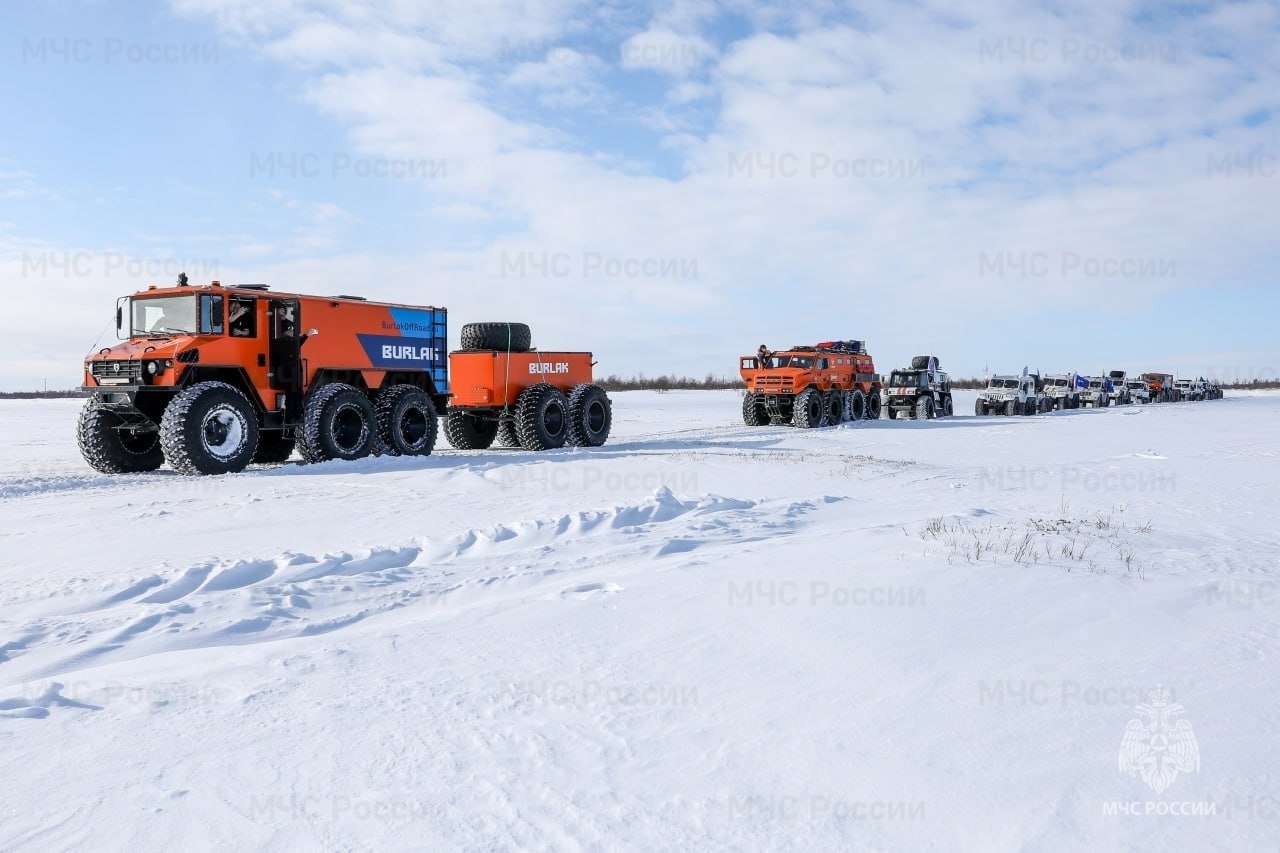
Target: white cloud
<point>1037,149</point>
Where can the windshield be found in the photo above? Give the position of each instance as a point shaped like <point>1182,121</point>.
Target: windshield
<point>1136,386</point>
<point>906,380</point>
<point>1095,383</point>
<point>164,315</point>
<point>1002,383</point>
<point>791,361</point>
<point>1056,383</point>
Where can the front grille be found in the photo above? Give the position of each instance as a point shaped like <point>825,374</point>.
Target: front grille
<point>117,372</point>
<point>776,381</point>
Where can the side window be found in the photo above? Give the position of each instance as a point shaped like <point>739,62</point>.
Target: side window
<point>210,314</point>
<point>822,364</point>
<point>748,364</point>
<point>241,318</point>
<point>286,324</point>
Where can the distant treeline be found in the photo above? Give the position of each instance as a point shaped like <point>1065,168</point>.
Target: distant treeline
<point>41,395</point>
<point>710,382</point>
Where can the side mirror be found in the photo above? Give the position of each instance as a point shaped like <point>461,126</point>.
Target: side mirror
<point>119,317</point>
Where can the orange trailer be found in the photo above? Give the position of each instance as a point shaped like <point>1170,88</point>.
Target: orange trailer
<point>508,392</point>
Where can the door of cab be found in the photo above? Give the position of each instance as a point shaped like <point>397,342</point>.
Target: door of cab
<point>285,349</point>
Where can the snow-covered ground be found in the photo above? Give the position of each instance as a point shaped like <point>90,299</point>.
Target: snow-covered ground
<point>700,636</point>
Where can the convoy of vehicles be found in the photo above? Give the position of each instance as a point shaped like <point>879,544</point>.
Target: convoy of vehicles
<point>811,386</point>
<point>210,379</point>
<point>920,391</point>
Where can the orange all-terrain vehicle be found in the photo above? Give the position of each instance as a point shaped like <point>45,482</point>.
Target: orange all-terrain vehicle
<point>811,386</point>
<point>211,378</point>
<point>505,390</point>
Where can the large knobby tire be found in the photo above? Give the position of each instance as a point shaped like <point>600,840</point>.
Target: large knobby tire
<point>948,407</point>
<point>925,409</point>
<point>406,419</point>
<point>469,431</point>
<point>506,436</point>
<point>921,362</point>
<point>542,417</point>
<point>834,401</point>
<point>338,422</point>
<point>874,406</point>
<point>857,404</point>
<point>1011,408</point>
<point>809,409</point>
<point>980,408</point>
<point>753,411</point>
<point>514,337</point>
<point>590,416</point>
<point>273,447</point>
<point>210,428</point>
<point>114,451</point>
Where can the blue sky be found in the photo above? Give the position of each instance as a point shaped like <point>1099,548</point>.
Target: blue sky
<point>1072,187</point>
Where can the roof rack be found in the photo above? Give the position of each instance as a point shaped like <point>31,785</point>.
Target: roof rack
<point>251,286</point>
<point>356,298</point>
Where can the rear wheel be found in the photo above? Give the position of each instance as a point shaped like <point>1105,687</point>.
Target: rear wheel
<point>506,436</point>
<point>468,430</point>
<point>542,417</point>
<point>590,416</point>
<point>406,418</point>
<point>809,409</point>
<point>948,408</point>
<point>513,337</point>
<point>857,405</point>
<point>338,422</point>
<point>874,406</point>
<point>753,410</point>
<point>209,428</point>
<point>110,448</point>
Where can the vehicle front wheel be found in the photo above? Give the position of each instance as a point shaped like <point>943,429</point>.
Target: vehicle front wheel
<point>109,447</point>
<point>210,428</point>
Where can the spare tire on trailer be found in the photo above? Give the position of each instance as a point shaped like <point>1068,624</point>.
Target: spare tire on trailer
<point>513,337</point>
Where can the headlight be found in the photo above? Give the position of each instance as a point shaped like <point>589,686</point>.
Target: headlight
<point>153,368</point>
